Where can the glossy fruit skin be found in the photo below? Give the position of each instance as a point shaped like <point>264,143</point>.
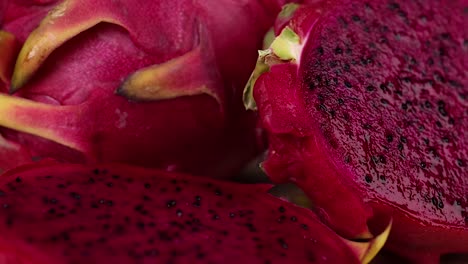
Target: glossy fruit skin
<point>193,121</point>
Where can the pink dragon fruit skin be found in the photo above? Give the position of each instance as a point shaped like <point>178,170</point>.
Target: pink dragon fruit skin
<point>177,66</point>
<point>56,213</point>
<point>364,104</point>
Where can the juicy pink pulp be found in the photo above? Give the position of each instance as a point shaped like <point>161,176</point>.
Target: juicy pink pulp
<point>78,81</point>
<point>120,214</point>
<point>374,119</point>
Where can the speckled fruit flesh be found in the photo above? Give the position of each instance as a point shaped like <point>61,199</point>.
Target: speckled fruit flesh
<point>54,213</point>
<point>365,105</point>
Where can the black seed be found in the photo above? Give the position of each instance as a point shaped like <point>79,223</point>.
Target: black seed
<point>283,243</point>
<point>347,159</point>
<point>138,207</point>
<point>91,180</point>
<point>393,6</point>
<point>200,255</point>
<point>119,229</point>
<point>179,213</point>
<point>320,50</point>
<point>366,61</point>
<point>293,219</point>
<point>355,18</point>
<point>196,204</point>
<point>442,111</point>
<point>400,146</point>
<point>9,221</point>
<point>382,159</point>
<point>370,88</point>
<point>389,137</point>
<point>348,84</point>
<point>281,219</point>
<point>368,178</point>
<point>422,164</point>
<point>440,205</point>
<point>110,203</point>
<point>455,84</point>
<point>18,179</point>
<point>403,139</point>
<point>96,171</point>
<point>65,236</point>
<point>446,139</point>
<point>338,50</point>
<point>434,201</point>
<point>140,225</point>
<point>232,215</point>
<point>340,101</point>
<point>251,227</point>
<point>61,185</point>
<point>346,67</point>
<point>311,86</point>
<point>178,189</point>
<point>384,101</point>
<point>430,61</point>
<point>75,195</point>
<point>218,192</point>
<point>461,163</point>
<point>322,108</point>
<point>320,98</point>
<point>304,226</point>
<point>171,203</point>
<point>110,184</point>
<point>51,211</point>
<point>147,185</point>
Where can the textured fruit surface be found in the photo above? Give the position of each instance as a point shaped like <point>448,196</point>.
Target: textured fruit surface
<point>121,214</point>
<point>154,83</point>
<point>370,118</point>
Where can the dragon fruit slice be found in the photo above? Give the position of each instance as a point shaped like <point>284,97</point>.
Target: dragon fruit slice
<point>178,68</point>
<point>364,103</point>
<point>121,214</point>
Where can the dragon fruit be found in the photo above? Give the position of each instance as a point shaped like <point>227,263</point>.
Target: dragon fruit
<point>56,213</point>
<point>364,104</point>
<point>152,83</point>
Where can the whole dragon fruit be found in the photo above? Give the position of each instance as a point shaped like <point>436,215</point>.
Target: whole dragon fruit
<point>55,213</point>
<point>152,83</point>
<point>365,106</point>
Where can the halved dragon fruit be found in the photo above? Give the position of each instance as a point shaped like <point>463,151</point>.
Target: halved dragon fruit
<point>178,68</point>
<point>365,105</point>
<point>56,213</point>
